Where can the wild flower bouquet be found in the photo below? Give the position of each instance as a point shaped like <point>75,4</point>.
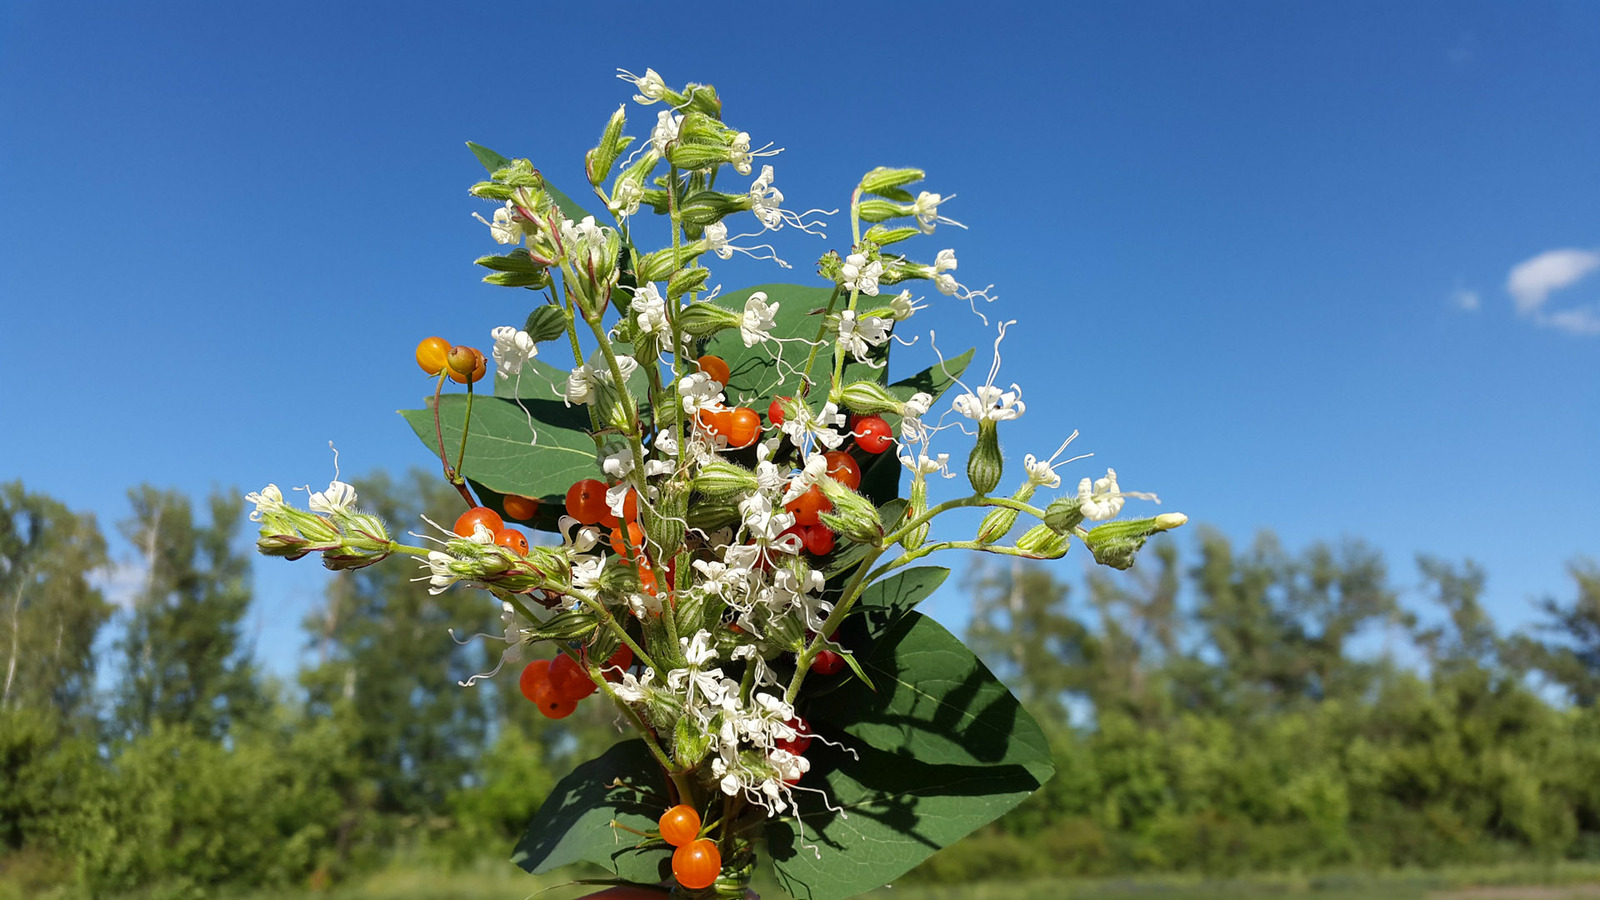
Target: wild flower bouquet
<point>732,560</point>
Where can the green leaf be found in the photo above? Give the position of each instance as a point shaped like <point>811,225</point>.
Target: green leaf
<point>754,373</point>
<point>887,599</point>
<point>501,451</point>
<point>487,158</point>
<point>570,207</point>
<point>944,748</point>
<point>574,824</point>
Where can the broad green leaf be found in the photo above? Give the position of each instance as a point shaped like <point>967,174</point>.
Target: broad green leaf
<point>502,453</point>
<point>574,824</point>
<point>887,599</point>
<point>754,371</point>
<point>944,748</point>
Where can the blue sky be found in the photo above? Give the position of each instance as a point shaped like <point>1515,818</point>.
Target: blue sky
<point>1262,253</point>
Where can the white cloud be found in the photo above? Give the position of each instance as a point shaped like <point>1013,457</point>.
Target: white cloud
<point>1532,281</point>
<point>1577,320</point>
<point>1466,299</point>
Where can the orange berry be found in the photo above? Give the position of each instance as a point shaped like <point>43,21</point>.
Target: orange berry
<point>715,367</point>
<point>557,708</point>
<point>680,825</point>
<point>697,864</point>
<point>775,410</point>
<point>808,506</point>
<point>872,434</point>
<point>513,540</point>
<point>717,421</point>
<point>520,508</point>
<point>627,540</point>
<point>843,469</point>
<point>744,426</point>
<point>469,521</point>
<point>431,354</point>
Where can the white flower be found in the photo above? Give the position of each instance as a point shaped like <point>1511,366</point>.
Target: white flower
<point>650,310</point>
<point>860,275</point>
<point>632,689</point>
<point>1104,499</point>
<point>815,470</point>
<point>918,404</point>
<point>627,196</point>
<point>651,87</point>
<point>584,381</point>
<point>923,465</point>
<point>759,319</point>
<point>992,403</point>
<point>583,237</point>
<point>580,385</point>
<point>586,573</point>
<point>1040,473</point>
<point>512,348</point>
<point>698,650</point>
<point>506,227</point>
<point>665,132</point>
<point>268,501</point>
<point>739,153</point>
<point>716,238</point>
<point>763,523</point>
<point>858,336</point>
<point>441,571</point>
<point>699,391</point>
<point>943,264</point>
<point>927,212</point>
<point>338,498</point>
<point>765,199</point>
<point>616,459</point>
<point>805,429</point>
<point>902,307</point>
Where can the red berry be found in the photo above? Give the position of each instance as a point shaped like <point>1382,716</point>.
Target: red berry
<point>775,411</point>
<point>535,681</point>
<point>808,506</point>
<point>568,680</point>
<point>618,663</point>
<point>586,501</point>
<point>801,741</point>
<point>818,540</point>
<point>467,524</point>
<point>872,434</point>
<point>843,468</point>
<point>827,662</point>
<point>513,540</point>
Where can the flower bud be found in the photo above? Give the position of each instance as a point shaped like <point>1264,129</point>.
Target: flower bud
<point>719,478</point>
<point>705,319</point>
<point>883,237</point>
<point>574,625</point>
<point>690,742</point>
<point>708,515</point>
<point>598,162</point>
<point>659,265</point>
<point>869,398</point>
<point>1114,544</point>
<point>664,521</point>
<point>917,506</point>
<point>1063,514</point>
<point>985,465</point>
<point>687,281</point>
<point>852,515</point>
<point>996,525</point>
<point>702,98</point>
<point>884,179</point>
<point>881,210</point>
<point>704,207</point>
<point>1042,542</point>
<point>546,323</point>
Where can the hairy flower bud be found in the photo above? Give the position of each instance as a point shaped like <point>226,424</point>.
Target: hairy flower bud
<point>719,478</point>
<point>687,281</point>
<point>1063,514</point>
<point>706,319</point>
<point>660,264</point>
<point>985,465</point>
<point>1043,543</point>
<point>869,398</point>
<point>883,237</point>
<point>884,180</point>
<point>705,514</point>
<point>852,515</point>
<point>882,210</point>
<point>546,323</point>
<point>664,521</point>
<point>597,163</point>
<point>917,506</point>
<point>1114,544</point>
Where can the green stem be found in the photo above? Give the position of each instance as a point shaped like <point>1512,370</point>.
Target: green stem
<point>622,633</point>
<point>466,424</point>
<point>822,328</point>
<point>684,786</point>
<point>847,601</point>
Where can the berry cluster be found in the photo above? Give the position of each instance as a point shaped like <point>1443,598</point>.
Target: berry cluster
<point>464,365</point>
<point>557,685</point>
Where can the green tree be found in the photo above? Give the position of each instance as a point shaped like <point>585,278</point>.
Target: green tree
<point>186,662</point>
<point>50,614</point>
<point>1571,658</point>
<point>388,672</point>
<point>1020,625</point>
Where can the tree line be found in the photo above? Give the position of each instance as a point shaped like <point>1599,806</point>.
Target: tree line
<point>1247,709</point>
